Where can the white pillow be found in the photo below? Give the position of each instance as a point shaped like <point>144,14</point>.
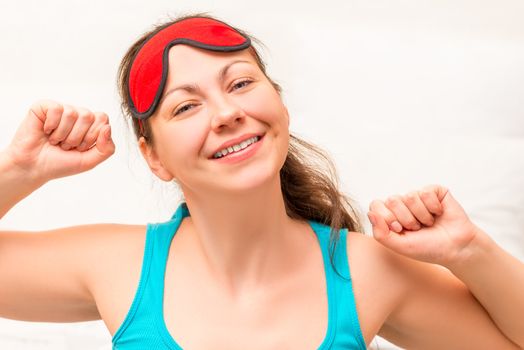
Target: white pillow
<point>485,175</point>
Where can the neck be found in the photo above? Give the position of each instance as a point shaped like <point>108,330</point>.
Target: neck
<point>244,239</point>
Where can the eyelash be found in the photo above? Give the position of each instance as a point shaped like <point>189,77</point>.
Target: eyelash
<point>248,81</point>
<point>182,109</point>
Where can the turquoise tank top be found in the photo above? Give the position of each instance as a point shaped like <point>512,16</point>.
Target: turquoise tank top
<point>144,326</point>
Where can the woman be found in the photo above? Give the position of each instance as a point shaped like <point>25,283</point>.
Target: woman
<point>262,245</point>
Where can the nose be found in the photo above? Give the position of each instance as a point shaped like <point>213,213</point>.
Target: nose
<point>226,113</point>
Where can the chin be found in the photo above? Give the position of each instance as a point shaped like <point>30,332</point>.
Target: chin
<point>253,180</point>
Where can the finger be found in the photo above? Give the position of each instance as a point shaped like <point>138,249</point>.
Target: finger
<point>430,197</point>
<point>80,128</point>
<point>384,235</point>
<point>47,113</point>
<point>380,208</point>
<point>103,149</point>
<point>67,121</point>
<point>402,212</point>
<point>439,190</point>
<point>418,209</point>
<point>53,119</point>
<point>101,120</point>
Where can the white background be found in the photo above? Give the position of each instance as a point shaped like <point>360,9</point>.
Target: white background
<point>401,93</point>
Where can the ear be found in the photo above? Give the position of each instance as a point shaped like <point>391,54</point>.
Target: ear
<point>153,160</point>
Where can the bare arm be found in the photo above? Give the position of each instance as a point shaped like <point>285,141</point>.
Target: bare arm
<point>417,305</point>
<point>435,310</point>
<point>43,275</point>
<point>496,279</point>
<point>475,295</point>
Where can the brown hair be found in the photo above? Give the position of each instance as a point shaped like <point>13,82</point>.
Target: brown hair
<point>308,177</point>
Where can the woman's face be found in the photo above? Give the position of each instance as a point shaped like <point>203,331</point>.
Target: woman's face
<point>212,98</point>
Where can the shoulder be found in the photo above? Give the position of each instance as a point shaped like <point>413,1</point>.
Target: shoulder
<point>101,244</point>
<point>377,279</point>
<point>116,253</point>
<point>106,250</point>
<point>367,256</point>
<point>415,304</point>
<point>117,235</point>
<point>95,247</point>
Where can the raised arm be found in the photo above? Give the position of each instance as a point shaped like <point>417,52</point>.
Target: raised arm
<point>43,275</point>
<point>474,299</point>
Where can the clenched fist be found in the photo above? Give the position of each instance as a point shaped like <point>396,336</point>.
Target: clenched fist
<point>427,225</point>
<point>56,140</point>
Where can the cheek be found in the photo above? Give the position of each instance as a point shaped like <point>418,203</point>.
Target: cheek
<point>265,106</point>
<point>181,144</point>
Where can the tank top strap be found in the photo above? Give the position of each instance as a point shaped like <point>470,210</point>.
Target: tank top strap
<point>161,237</point>
<point>347,333</point>
<point>143,320</point>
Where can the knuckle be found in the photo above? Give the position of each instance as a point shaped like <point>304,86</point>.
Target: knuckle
<point>411,197</point>
<point>102,117</point>
<point>51,105</point>
<point>86,117</point>
<point>374,205</point>
<point>46,106</point>
<point>42,102</point>
<point>38,103</point>
<point>430,188</point>
<point>58,108</point>
<point>425,193</point>
<point>393,200</point>
<point>70,113</point>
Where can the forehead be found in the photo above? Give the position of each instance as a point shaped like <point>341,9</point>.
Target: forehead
<point>186,61</point>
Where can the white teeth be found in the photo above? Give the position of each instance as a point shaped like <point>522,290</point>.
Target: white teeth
<point>236,148</point>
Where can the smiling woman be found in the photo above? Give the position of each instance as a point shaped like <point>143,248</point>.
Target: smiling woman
<point>264,244</point>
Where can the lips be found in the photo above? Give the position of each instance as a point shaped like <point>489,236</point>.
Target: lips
<point>234,141</point>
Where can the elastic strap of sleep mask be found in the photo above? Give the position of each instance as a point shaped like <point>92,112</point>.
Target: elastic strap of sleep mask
<point>149,68</point>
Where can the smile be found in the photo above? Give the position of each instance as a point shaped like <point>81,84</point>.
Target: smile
<point>236,148</point>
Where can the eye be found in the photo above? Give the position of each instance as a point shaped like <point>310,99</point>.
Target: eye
<point>241,84</point>
<point>184,108</point>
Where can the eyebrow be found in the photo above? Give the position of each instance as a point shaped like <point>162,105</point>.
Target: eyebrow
<point>193,88</point>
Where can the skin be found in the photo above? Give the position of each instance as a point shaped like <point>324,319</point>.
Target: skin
<point>428,278</point>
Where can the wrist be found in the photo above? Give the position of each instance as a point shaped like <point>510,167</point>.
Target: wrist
<point>478,252</point>
<point>12,172</point>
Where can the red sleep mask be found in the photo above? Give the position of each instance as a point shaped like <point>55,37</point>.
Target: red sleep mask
<point>149,69</point>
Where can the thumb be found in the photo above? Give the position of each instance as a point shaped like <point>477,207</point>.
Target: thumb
<point>103,149</point>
